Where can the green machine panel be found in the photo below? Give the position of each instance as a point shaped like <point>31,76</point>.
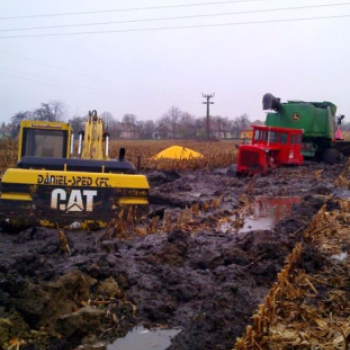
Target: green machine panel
<point>315,118</point>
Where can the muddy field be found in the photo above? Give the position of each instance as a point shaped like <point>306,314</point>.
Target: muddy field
<point>194,263</point>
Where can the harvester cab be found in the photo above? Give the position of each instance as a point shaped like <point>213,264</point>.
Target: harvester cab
<point>50,188</point>
<point>270,147</point>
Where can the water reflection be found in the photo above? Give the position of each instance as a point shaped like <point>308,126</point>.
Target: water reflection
<point>268,211</point>
<point>141,338</point>
<point>264,214</point>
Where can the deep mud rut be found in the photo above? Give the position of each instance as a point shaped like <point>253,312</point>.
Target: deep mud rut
<point>189,273</point>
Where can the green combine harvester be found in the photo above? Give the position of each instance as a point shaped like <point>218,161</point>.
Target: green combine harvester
<point>322,134</point>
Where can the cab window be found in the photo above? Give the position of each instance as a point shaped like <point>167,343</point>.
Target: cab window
<point>272,136</point>
<point>44,143</point>
<point>283,137</point>
<point>258,135</point>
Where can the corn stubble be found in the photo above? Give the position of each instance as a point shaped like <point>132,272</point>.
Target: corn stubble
<point>302,310</point>
<point>309,310</point>
<point>8,154</point>
<point>190,219</point>
<point>215,154</point>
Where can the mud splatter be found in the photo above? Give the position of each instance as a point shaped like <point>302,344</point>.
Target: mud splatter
<point>192,276</point>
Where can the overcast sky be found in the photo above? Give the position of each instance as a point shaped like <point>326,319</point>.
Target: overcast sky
<point>145,72</point>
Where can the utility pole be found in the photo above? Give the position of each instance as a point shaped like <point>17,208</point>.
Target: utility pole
<point>208,97</point>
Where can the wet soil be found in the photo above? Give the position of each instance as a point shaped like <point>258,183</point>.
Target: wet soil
<point>192,275</point>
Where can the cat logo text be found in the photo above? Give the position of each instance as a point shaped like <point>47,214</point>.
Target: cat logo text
<point>76,200</point>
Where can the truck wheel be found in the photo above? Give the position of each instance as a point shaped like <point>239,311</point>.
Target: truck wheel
<point>331,156</point>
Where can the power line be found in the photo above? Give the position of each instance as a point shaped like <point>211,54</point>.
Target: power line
<point>31,80</point>
<point>175,17</point>
<point>57,84</point>
<point>62,84</point>
<point>44,64</point>
<point>54,81</point>
<point>175,27</point>
<point>131,9</point>
<point>92,78</point>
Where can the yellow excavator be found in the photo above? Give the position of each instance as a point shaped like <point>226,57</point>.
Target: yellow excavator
<point>49,187</point>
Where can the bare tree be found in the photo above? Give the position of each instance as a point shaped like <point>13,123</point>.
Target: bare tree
<point>131,119</point>
<point>345,126</point>
<point>107,117</point>
<point>223,125</point>
<point>219,122</point>
<point>15,121</point>
<point>44,113</point>
<point>53,111</point>
<point>146,129</point>
<point>59,109</point>
<point>77,123</point>
<point>18,117</point>
<point>187,125</point>
<point>173,116</point>
<point>240,123</point>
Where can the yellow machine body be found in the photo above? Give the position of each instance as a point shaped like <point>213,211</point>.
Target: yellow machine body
<point>93,139</point>
<point>49,188</point>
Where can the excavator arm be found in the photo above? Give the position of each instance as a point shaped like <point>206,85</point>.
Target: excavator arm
<point>92,138</point>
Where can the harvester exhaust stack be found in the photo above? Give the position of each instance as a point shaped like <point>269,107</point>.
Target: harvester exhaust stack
<point>271,102</point>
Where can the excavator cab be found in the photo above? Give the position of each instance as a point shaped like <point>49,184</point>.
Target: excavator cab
<point>44,139</point>
<point>53,187</point>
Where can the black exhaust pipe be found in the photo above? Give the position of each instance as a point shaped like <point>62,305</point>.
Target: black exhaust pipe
<point>271,102</point>
<point>122,152</point>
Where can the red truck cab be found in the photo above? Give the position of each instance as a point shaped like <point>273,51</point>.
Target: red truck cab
<point>270,147</point>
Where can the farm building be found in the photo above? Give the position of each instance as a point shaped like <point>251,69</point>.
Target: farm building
<point>248,132</point>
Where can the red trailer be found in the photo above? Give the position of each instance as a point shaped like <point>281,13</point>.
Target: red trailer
<point>270,147</point>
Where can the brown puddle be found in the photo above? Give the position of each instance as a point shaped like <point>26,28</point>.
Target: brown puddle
<point>264,214</point>
<point>141,338</point>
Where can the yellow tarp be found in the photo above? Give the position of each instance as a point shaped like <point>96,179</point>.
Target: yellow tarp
<point>177,152</point>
